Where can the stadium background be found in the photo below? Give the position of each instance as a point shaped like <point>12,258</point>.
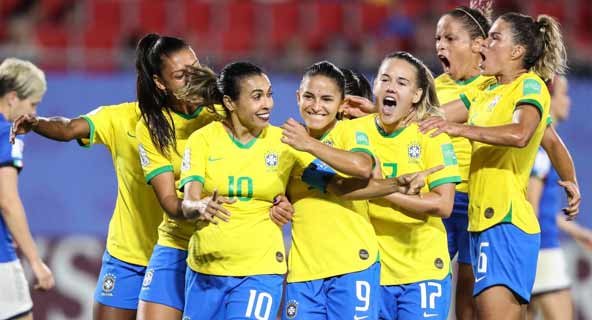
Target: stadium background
<point>87,49</point>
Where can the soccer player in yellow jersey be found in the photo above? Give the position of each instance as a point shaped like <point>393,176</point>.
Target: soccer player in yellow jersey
<point>506,123</point>
<point>459,36</point>
<point>332,273</point>
<point>137,215</point>
<point>415,274</point>
<point>236,262</point>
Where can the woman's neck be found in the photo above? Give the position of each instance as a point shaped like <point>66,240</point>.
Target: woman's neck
<point>318,133</point>
<point>509,76</point>
<point>241,132</point>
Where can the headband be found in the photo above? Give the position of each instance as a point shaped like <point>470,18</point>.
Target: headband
<point>476,22</point>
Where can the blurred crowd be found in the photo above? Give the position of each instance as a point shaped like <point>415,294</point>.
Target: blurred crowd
<point>282,35</point>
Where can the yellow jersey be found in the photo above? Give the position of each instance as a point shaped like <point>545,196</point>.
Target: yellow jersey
<point>253,173</point>
<point>330,236</point>
<point>174,233</point>
<point>412,247</point>
<point>499,175</point>
<point>449,90</point>
<point>132,229</point>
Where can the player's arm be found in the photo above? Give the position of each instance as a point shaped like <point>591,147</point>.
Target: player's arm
<point>356,164</point>
<point>563,163</point>
<point>208,208</point>
<point>517,134</point>
<point>13,212</point>
<point>164,188</point>
<point>55,128</point>
<point>579,233</point>
<point>437,202</point>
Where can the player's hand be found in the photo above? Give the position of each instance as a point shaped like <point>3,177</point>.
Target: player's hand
<point>207,209</point>
<point>441,126</point>
<point>573,199</point>
<point>296,135</point>
<point>282,211</point>
<point>23,124</point>
<point>356,106</point>
<point>43,275</point>
<point>412,183</point>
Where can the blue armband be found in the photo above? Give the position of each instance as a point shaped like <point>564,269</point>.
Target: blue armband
<point>318,175</point>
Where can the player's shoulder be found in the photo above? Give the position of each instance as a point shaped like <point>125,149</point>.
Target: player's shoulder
<point>443,79</point>
<point>211,129</point>
<point>530,83</point>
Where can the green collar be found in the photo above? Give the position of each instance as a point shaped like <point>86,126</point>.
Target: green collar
<point>243,145</point>
<point>190,116</point>
<point>469,80</point>
<point>383,133</point>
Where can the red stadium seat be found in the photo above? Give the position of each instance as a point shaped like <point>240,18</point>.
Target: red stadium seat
<point>152,16</point>
<point>373,15</point>
<point>198,17</point>
<point>327,21</point>
<point>52,41</point>
<point>6,7</point>
<point>105,13</point>
<point>285,22</point>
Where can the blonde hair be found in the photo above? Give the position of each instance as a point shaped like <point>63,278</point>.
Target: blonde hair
<point>23,77</point>
<point>428,104</point>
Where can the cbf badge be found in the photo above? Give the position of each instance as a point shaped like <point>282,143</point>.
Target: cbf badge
<point>148,278</point>
<point>271,160</point>
<point>414,151</point>
<point>291,309</point>
<point>108,283</point>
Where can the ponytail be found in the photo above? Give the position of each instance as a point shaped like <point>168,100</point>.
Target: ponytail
<point>553,59</point>
<point>152,100</point>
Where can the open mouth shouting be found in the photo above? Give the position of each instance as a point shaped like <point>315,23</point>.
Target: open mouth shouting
<point>388,105</point>
<point>445,63</point>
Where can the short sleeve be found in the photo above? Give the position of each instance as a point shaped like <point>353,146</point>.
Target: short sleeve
<point>469,97</point>
<point>439,151</point>
<point>346,136</point>
<point>11,154</point>
<point>195,157</point>
<point>100,122</point>
<point>542,165</point>
<point>152,161</point>
<point>534,92</point>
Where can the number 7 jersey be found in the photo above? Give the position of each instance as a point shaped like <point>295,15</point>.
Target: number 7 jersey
<point>252,173</point>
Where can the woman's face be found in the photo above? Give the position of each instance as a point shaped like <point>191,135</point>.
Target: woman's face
<point>455,48</point>
<point>23,106</point>
<point>172,75</point>
<point>254,103</point>
<point>497,48</point>
<point>319,100</point>
<point>396,90</point>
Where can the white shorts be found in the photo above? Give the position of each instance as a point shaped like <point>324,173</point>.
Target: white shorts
<point>551,274</point>
<point>15,298</point>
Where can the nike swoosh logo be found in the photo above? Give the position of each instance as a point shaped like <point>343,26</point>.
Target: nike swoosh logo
<point>429,315</point>
<point>214,159</point>
<point>479,279</point>
<point>131,135</point>
<point>360,318</point>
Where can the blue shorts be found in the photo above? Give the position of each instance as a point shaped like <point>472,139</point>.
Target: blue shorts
<point>349,296</point>
<point>457,229</point>
<point>419,300</point>
<point>504,255</point>
<point>164,282</point>
<point>119,283</point>
<point>220,297</point>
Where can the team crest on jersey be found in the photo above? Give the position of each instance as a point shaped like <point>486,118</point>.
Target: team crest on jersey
<point>143,156</point>
<point>493,103</point>
<point>414,151</point>
<point>148,278</point>
<point>108,283</point>
<point>271,160</point>
<point>186,164</point>
<point>291,309</point>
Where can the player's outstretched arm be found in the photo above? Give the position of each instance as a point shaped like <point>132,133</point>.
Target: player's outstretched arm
<point>13,213</point>
<point>55,128</point>
<point>438,202</point>
<point>563,163</point>
<point>208,209</point>
<point>580,234</point>
<point>357,164</point>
